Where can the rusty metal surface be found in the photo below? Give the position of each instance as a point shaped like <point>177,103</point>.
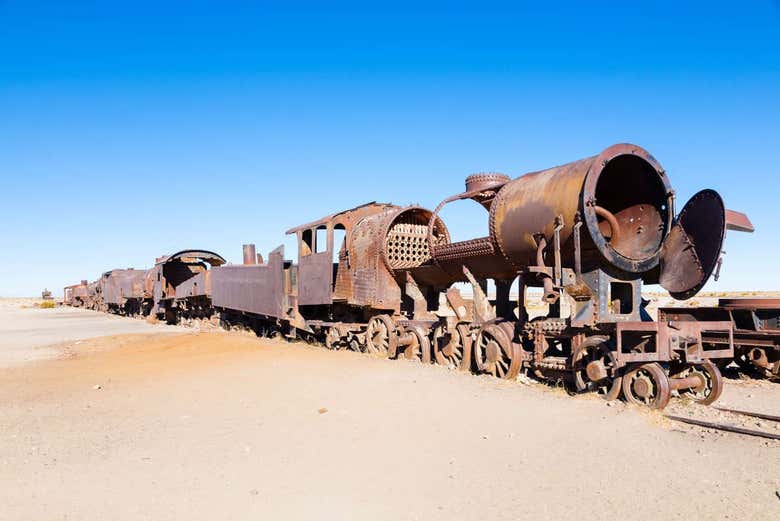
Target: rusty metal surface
<point>315,279</point>
<point>345,216</point>
<point>749,303</point>
<point>171,271</point>
<point>691,252</point>
<point>755,336</point>
<point>122,284</point>
<point>360,278</point>
<point>738,222</point>
<point>459,251</point>
<point>624,180</point>
<point>197,286</point>
<point>75,295</point>
<point>250,254</point>
<point>751,414</point>
<point>725,427</point>
<point>257,289</point>
<point>194,256</point>
<point>406,237</point>
<point>625,201</point>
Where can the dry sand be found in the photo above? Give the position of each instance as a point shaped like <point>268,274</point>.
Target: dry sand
<point>216,426</point>
<point>28,333</point>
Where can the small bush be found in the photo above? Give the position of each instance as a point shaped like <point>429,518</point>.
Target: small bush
<point>48,304</point>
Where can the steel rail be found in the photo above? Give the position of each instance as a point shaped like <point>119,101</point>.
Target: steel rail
<point>751,414</point>
<point>725,427</point>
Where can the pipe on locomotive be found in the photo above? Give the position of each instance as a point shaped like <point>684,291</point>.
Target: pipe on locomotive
<point>250,255</point>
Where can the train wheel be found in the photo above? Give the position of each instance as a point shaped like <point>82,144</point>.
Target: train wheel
<point>448,347</point>
<point>756,362</point>
<point>711,383</point>
<point>332,338</point>
<point>774,371</point>
<point>262,330</point>
<point>594,367</point>
<point>420,347</point>
<point>743,359</point>
<point>273,331</point>
<point>355,345</point>
<point>647,385</point>
<point>381,338</point>
<point>495,353</point>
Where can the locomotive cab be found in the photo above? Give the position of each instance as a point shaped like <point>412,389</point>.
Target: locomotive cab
<point>321,282</point>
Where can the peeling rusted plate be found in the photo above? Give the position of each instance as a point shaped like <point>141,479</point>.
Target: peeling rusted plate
<point>691,251</point>
<point>738,222</point>
<point>197,286</point>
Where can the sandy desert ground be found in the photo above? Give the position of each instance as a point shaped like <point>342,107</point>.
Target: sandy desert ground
<point>112,418</point>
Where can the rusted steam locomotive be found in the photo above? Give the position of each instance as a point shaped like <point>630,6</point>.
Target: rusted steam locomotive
<point>588,233</point>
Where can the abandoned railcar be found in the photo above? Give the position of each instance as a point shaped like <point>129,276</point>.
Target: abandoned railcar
<point>122,290</point>
<point>180,285</point>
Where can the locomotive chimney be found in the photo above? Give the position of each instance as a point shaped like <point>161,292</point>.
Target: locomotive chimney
<point>250,257</point>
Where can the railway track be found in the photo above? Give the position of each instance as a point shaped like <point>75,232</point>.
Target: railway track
<point>733,428</point>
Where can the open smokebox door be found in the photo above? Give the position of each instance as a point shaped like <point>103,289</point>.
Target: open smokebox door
<point>691,251</point>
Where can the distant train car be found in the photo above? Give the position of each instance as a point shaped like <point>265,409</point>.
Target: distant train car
<point>180,284</point>
<point>75,295</point>
<point>93,299</point>
<point>123,290</point>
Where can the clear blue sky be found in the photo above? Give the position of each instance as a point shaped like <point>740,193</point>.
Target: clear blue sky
<point>133,129</point>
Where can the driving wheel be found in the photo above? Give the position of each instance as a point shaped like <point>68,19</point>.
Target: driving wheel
<point>711,383</point>
<point>381,338</point>
<point>420,346</point>
<point>594,368</point>
<point>495,353</point>
<point>449,346</point>
<point>647,385</point>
